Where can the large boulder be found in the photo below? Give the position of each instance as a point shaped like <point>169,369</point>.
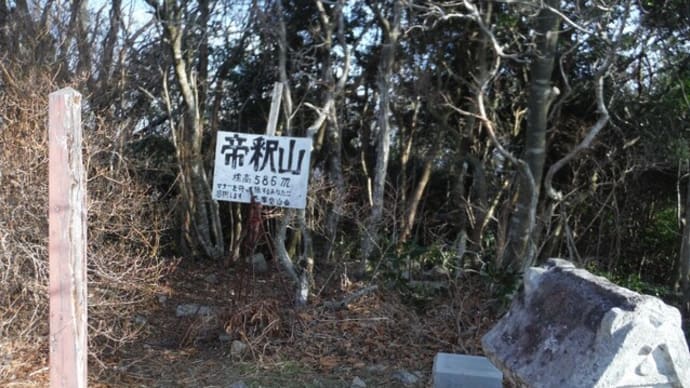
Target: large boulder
<point>569,328</point>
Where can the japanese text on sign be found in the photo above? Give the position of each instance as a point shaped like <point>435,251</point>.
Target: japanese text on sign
<point>273,169</point>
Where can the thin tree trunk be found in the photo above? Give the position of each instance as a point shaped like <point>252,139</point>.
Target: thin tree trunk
<point>407,136</point>
<point>391,32</point>
<point>520,252</point>
<point>298,275</point>
<point>411,210</point>
<point>461,238</point>
<point>478,175</point>
<point>406,140</point>
<point>202,65</point>
<point>335,171</point>
<point>281,251</point>
<point>683,275</point>
<point>302,273</point>
<point>202,219</point>
<point>108,54</point>
<point>79,24</point>
<point>235,212</point>
<point>334,89</point>
<point>480,189</point>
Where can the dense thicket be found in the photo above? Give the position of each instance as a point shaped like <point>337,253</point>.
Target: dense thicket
<point>470,135</point>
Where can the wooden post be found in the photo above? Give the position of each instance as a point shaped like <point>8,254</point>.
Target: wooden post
<point>275,109</point>
<point>67,242</point>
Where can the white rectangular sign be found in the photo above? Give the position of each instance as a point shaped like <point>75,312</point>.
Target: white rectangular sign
<point>273,169</point>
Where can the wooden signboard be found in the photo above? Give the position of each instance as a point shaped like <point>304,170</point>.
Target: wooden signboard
<point>271,170</point>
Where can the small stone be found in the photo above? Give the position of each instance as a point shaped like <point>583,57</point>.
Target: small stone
<point>140,319</point>
<point>224,337</point>
<point>211,278</point>
<point>162,298</point>
<point>237,348</point>
<point>376,368</point>
<point>259,263</point>
<point>185,310</point>
<point>238,384</point>
<point>358,383</point>
<point>405,377</point>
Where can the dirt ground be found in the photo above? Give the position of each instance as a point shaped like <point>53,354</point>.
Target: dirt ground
<point>378,335</point>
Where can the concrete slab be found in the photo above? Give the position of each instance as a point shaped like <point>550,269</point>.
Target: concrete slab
<point>462,371</point>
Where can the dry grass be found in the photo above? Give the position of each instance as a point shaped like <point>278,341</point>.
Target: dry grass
<point>23,237</point>
<point>126,222</point>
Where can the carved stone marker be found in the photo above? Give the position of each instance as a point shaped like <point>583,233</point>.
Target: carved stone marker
<point>569,328</point>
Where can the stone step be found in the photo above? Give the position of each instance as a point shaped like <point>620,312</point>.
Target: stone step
<point>462,371</point>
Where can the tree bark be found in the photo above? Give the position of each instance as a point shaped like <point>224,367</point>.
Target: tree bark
<point>302,273</point>
<point>520,252</point>
<point>202,225</point>
<point>79,24</point>
<point>684,265</point>
<point>391,33</point>
<point>202,65</point>
<point>415,199</point>
<point>334,29</point>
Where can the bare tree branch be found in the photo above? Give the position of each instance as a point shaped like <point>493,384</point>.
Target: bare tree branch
<point>601,108</point>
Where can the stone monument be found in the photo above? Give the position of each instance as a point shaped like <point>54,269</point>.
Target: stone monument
<point>569,328</point>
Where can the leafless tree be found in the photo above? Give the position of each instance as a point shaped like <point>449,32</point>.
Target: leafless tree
<point>201,220</point>
<point>390,27</point>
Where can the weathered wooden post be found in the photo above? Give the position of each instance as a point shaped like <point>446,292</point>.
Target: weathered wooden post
<point>275,108</point>
<point>67,241</point>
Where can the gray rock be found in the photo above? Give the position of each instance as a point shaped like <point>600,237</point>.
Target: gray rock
<point>224,337</point>
<point>140,319</point>
<point>237,348</point>
<point>571,328</point>
<point>376,368</point>
<point>186,310</point>
<point>238,384</point>
<point>259,263</point>
<point>358,383</point>
<point>211,278</point>
<point>162,298</point>
<point>406,377</point>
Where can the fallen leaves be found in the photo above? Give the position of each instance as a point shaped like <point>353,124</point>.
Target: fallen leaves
<point>329,362</point>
